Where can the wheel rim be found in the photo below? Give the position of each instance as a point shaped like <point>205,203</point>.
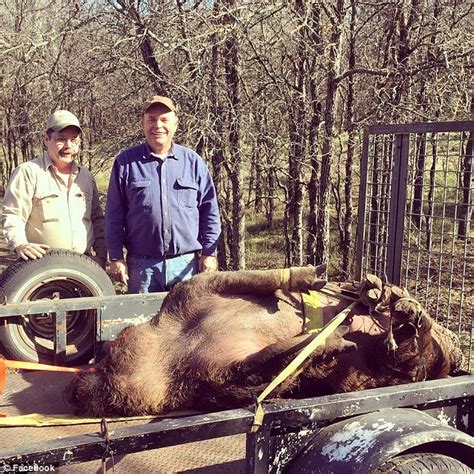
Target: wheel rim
<point>36,334</point>
<point>40,327</point>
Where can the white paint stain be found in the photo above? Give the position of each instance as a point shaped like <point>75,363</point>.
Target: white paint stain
<point>443,417</point>
<point>314,414</point>
<point>136,320</point>
<point>354,440</point>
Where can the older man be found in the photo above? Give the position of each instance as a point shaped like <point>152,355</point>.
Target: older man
<point>52,201</point>
<point>161,208</point>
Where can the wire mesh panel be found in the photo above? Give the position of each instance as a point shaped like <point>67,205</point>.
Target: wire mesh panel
<point>415,217</point>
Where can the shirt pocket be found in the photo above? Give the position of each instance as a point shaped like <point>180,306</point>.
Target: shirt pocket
<point>47,207</point>
<point>187,192</point>
<point>140,193</point>
<point>82,204</point>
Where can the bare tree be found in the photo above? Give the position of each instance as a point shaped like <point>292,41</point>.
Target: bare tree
<point>332,71</point>
<point>264,89</point>
<point>230,55</point>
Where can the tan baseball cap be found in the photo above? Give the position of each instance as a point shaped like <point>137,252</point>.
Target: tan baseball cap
<point>62,119</point>
<point>159,99</point>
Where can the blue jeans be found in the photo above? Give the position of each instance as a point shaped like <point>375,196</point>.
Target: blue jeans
<point>150,274</point>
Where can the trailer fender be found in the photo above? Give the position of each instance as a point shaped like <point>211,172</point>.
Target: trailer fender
<point>365,442</point>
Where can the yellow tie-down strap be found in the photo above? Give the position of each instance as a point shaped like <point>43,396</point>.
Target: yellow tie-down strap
<point>293,366</point>
<point>39,420</point>
<point>313,311</point>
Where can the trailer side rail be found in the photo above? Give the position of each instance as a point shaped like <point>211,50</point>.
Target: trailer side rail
<point>456,392</point>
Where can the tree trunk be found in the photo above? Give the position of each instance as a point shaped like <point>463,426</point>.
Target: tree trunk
<point>295,185</point>
<point>129,10</point>
<point>322,244</point>
<point>420,153</point>
<point>431,191</point>
<point>231,68</point>
<point>346,244</point>
<point>313,185</point>
<point>313,140</point>
<point>217,145</point>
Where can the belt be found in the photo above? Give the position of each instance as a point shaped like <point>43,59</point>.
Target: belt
<point>163,257</point>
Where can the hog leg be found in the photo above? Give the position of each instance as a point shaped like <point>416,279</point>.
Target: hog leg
<point>180,301</point>
<point>263,282</point>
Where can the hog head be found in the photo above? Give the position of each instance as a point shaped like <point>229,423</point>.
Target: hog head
<point>86,393</point>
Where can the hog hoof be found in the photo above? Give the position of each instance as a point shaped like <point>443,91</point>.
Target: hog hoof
<point>397,293</point>
<point>307,278</point>
<point>407,311</point>
<point>371,290</point>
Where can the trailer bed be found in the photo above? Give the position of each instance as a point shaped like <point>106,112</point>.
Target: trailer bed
<point>34,392</point>
<point>217,442</point>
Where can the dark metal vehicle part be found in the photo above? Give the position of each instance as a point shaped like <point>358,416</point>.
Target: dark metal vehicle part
<point>363,443</point>
<point>289,425</point>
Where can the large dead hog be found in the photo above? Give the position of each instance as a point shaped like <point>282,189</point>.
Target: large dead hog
<point>219,338</point>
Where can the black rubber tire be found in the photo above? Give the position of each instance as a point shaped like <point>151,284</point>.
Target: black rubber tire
<point>424,463</point>
<point>72,275</point>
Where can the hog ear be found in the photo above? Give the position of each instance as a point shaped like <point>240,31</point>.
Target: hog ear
<point>321,269</point>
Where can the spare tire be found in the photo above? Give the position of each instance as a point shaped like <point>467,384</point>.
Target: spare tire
<point>62,273</point>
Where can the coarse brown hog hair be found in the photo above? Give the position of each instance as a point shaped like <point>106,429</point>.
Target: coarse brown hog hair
<point>221,337</point>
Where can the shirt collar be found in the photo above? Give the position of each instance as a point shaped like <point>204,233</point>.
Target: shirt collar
<point>149,153</point>
<point>47,163</point>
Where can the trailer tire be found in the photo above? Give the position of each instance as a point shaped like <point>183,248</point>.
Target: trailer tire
<point>60,273</point>
<point>423,462</point>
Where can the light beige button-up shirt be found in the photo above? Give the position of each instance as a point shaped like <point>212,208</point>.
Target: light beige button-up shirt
<point>40,207</point>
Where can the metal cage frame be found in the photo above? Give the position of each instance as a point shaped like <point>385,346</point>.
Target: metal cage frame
<point>414,228</point>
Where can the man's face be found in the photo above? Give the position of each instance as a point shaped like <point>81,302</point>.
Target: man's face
<point>159,125</point>
<point>63,146</point>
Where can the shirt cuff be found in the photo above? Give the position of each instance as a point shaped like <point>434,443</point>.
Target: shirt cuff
<point>14,243</point>
<point>115,255</point>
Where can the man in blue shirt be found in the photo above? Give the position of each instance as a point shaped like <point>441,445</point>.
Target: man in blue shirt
<point>161,207</point>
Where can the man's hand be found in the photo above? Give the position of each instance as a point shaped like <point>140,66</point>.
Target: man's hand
<point>207,263</point>
<point>119,270</point>
<point>31,251</point>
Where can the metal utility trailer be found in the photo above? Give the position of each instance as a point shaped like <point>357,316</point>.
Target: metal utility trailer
<point>415,210</point>
<point>112,314</point>
<point>352,432</point>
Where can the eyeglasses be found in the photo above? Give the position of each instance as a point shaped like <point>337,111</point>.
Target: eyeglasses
<point>61,141</point>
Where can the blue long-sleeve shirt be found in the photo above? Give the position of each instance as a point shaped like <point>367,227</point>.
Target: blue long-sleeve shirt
<point>161,207</point>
